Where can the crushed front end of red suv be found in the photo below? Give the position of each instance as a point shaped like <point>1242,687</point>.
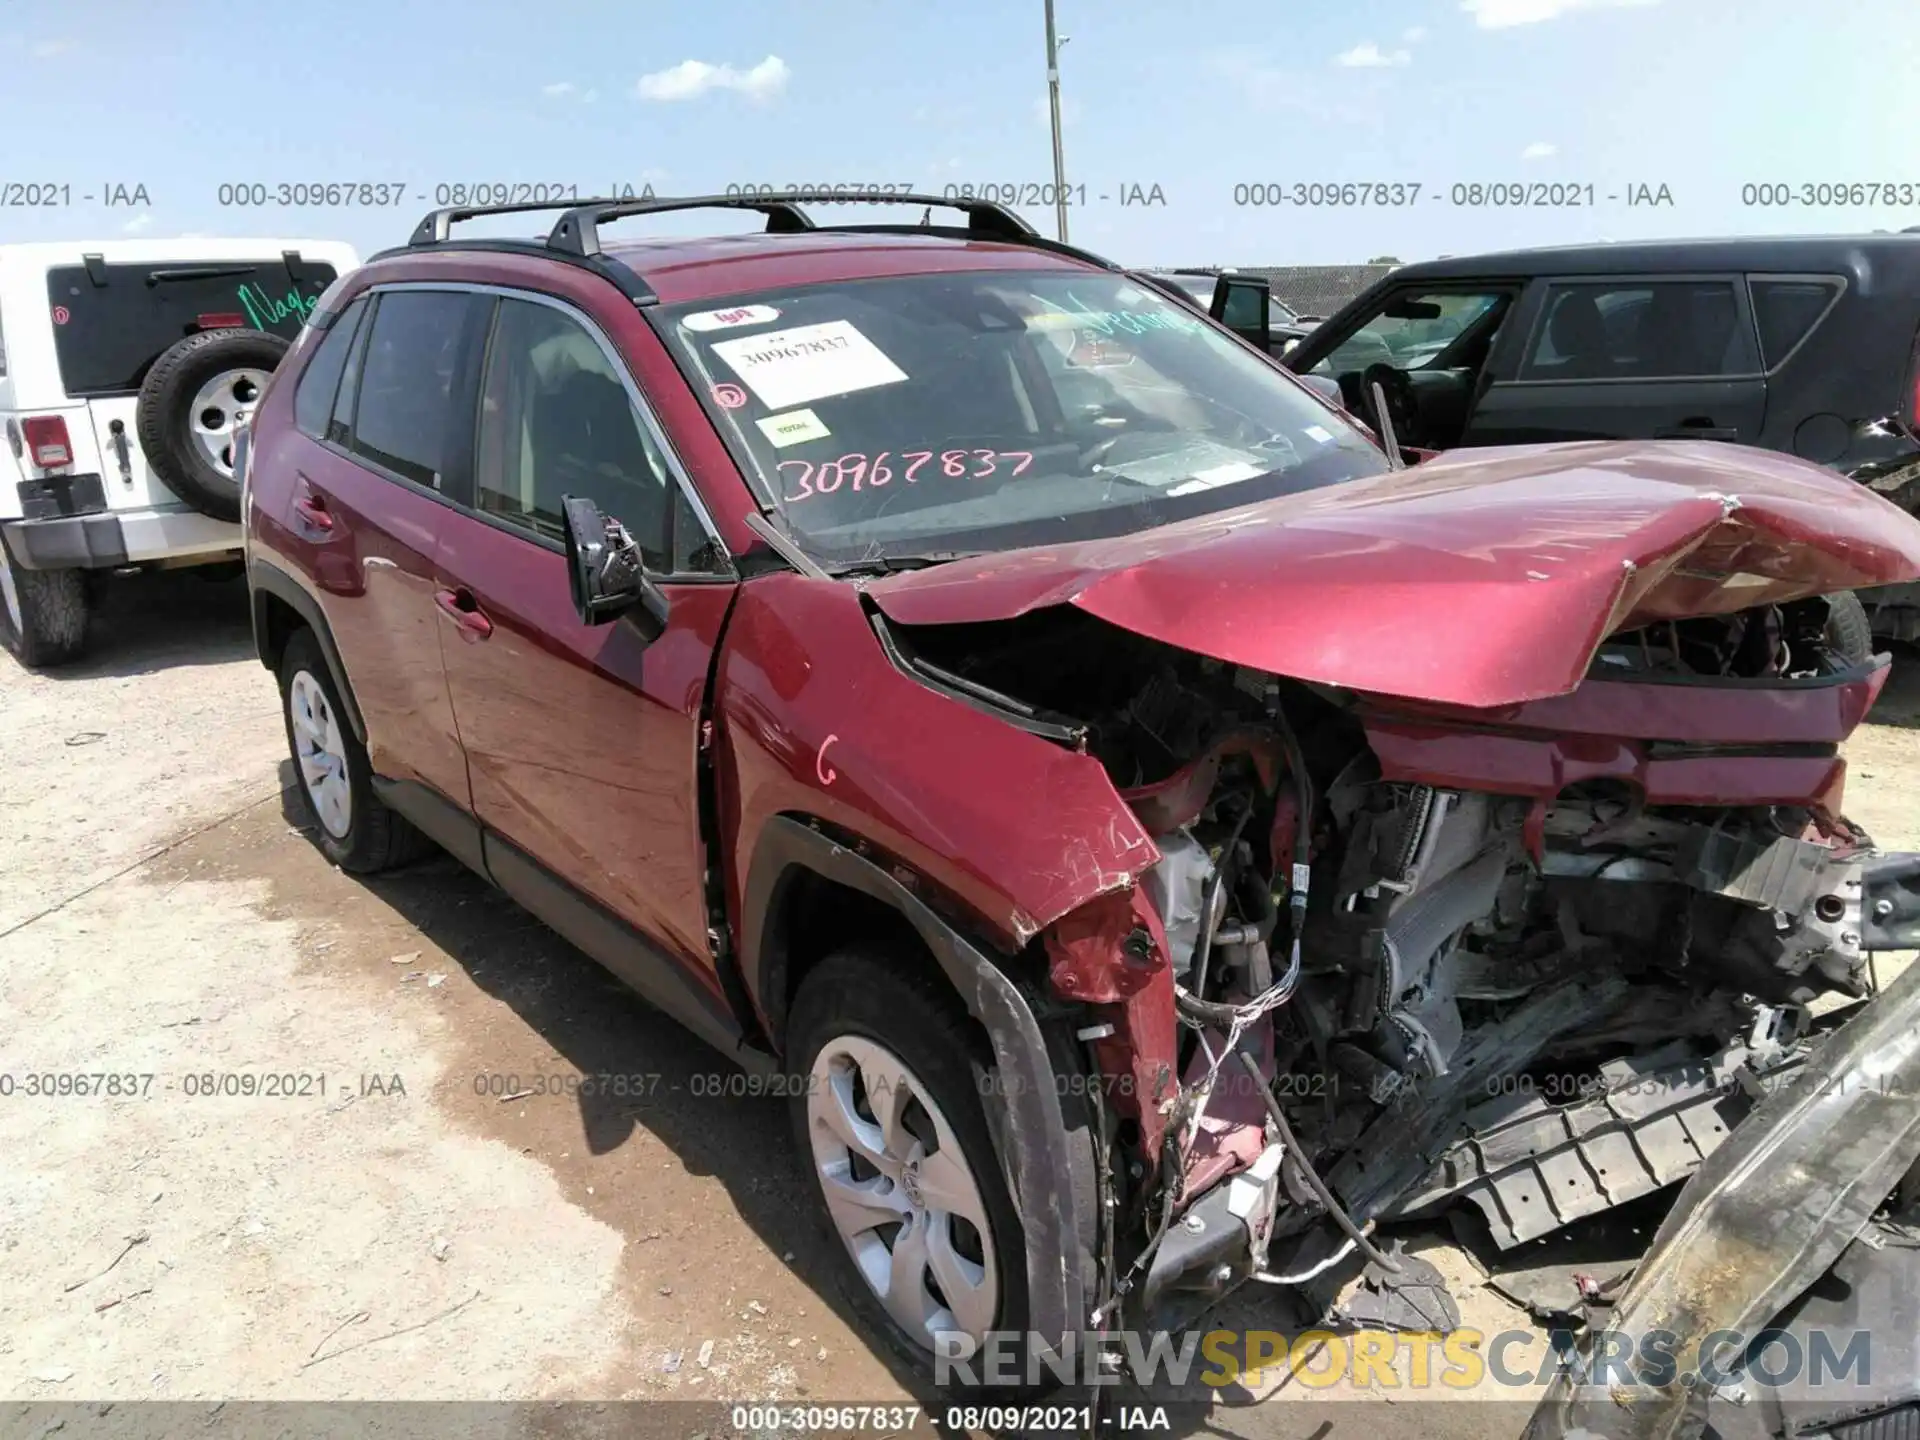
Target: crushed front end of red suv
<point>1164,842</point>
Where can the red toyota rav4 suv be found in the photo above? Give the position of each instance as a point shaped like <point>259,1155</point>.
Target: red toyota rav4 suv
<point>1144,822</point>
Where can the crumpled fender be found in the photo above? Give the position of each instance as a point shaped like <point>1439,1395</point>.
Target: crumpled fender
<point>1017,829</point>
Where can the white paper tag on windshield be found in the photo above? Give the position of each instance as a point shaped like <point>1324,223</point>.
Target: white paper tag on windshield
<point>1229,474</point>
<point>1316,432</point>
<point>729,319</point>
<point>808,362</point>
<point>796,427</point>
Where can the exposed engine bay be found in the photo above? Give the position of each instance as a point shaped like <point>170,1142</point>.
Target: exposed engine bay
<point>1386,996</point>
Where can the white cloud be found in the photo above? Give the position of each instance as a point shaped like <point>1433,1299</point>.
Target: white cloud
<point>1503,14</point>
<point>47,49</point>
<point>558,90</point>
<point>691,79</point>
<point>139,224</point>
<point>1369,56</point>
<point>1539,150</point>
<point>1415,35</point>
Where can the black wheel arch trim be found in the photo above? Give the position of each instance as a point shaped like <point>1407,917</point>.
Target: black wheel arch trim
<point>1034,1131</point>
<point>264,578</point>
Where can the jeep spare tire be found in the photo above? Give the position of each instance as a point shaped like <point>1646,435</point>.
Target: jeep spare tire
<point>194,397</point>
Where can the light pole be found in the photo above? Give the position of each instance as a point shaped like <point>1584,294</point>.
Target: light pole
<point>1053,97</point>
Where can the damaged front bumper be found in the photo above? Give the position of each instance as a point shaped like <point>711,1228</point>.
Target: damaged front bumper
<point>1766,1216</point>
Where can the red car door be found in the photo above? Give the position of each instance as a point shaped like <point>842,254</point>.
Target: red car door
<point>367,508</point>
<point>581,741</point>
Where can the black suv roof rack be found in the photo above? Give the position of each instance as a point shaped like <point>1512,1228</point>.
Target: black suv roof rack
<point>575,237</point>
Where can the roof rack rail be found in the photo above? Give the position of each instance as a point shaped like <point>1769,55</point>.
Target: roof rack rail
<point>578,229</point>
<point>575,237</point>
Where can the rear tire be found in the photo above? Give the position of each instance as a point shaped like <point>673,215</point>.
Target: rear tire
<point>354,829</point>
<point>43,613</point>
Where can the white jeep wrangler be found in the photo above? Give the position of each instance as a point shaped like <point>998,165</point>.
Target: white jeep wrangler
<point>124,368</point>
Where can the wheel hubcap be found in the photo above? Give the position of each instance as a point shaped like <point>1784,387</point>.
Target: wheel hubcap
<point>901,1193</point>
<point>220,405</point>
<point>318,751</point>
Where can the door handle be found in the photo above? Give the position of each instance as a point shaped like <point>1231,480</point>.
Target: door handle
<point>1698,427</point>
<point>312,511</point>
<point>460,607</point>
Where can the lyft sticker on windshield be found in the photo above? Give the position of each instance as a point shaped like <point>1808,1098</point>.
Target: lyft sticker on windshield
<point>731,319</point>
<point>808,362</point>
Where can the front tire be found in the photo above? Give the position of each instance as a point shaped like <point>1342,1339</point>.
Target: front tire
<point>1849,633</point>
<point>355,830</point>
<point>43,613</point>
<point>886,1100</point>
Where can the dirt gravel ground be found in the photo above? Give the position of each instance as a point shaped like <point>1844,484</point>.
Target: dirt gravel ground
<point>420,1209</point>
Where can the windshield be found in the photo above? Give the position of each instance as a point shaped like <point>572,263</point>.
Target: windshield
<point>932,415</point>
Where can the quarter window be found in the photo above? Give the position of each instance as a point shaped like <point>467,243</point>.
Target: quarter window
<point>406,380</point>
<point>320,381</point>
<point>1786,312</point>
<point>1661,330</point>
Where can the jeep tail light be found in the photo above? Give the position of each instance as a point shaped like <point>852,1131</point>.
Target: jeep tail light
<point>47,441</point>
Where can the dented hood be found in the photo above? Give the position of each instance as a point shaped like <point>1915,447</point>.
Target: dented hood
<point>1482,578</point>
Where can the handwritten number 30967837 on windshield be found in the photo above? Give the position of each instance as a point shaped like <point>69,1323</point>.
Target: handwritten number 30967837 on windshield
<point>824,477</point>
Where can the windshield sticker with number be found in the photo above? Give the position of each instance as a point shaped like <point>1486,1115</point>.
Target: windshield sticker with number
<point>808,478</point>
<point>808,362</point>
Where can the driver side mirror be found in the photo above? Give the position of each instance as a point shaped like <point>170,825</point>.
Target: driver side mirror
<point>605,573</point>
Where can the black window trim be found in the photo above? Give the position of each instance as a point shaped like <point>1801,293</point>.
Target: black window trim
<point>727,569</point>
<point>1735,280</point>
<point>1841,283</point>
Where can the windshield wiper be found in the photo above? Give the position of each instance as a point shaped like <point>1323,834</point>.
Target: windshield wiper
<point>895,564</point>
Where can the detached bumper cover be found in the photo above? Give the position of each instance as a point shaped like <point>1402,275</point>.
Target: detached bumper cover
<point>1767,1214</point>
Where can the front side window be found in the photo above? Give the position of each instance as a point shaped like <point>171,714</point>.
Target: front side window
<point>556,420</point>
<point>405,382</point>
<point>1642,330</point>
<point>924,416</point>
<point>1410,331</point>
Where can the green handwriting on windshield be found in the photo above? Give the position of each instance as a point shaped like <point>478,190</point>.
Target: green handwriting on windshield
<point>265,311</point>
<point>1119,322</point>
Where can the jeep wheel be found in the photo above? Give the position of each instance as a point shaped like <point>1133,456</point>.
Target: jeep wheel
<point>43,613</point>
<point>886,1106</point>
<point>193,398</point>
<point>356,831</point>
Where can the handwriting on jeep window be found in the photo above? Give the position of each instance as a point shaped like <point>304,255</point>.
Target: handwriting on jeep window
<point>856,470</point>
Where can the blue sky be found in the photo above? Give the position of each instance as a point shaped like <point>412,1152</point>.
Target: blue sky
<point>1701,96</point>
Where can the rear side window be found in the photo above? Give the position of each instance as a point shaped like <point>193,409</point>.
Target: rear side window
<point>320,381</point>
<point>111,322</point>
<point>407,373</point>
<point>1786,312</point>
<point>1642,330</point>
